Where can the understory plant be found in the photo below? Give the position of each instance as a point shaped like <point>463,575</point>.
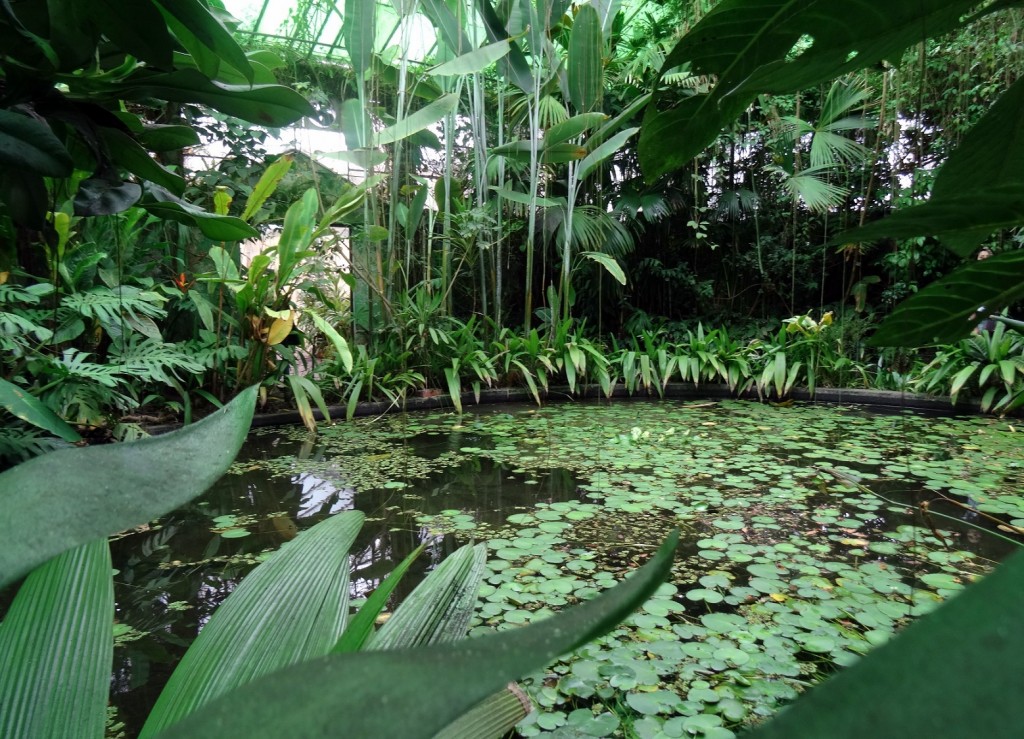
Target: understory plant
<point>989,364</point>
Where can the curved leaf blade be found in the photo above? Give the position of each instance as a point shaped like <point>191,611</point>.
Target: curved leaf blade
<point>97,491</point>
<point>439,609</point>
<point>26,142</point>
<point>423,118</point>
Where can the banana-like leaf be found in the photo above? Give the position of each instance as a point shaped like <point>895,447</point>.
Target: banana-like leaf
<point>941,312</point>
<point>296,233</point>
<point>57,646</point>
<point>748,46</point>
<point>523,198</point>
<point>164,204</point>
<point>440,607</point>
<point>167,138</point>
<point>381,693</point>
<point>25,406</point>
<point>997,207</point>
<point>141,31</point>
<point>423,118</point>
<point>98,491</point>
<point>268,105</point>
<point>291,608</point>
<point>447,24</point>
<point>911,687</point>
<point>336,339</point>
<point>472,62</point>
<point>586,72</point>
<point>266,186</point>
<point>559,153</point>
<point>28,143</point>
<point>513,66</point>
<point>363,158</point>
<point>360,32</point>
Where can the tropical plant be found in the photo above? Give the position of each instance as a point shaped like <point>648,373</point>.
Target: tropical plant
<point>993,360</point>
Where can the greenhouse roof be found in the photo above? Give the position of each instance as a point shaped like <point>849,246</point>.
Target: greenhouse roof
<point>314,27</point>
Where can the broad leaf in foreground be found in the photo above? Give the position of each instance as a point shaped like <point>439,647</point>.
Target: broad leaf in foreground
<point>413,692</point>
<point>83,494</point>
<point>57,646</point>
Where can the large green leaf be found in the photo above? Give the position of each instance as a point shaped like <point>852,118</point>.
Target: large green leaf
<point>291,608</point>
<point>953,673</point>
<point>268,105</point>
<point>524,198</point>
<point>586,72</point>
<point>165,204</point>
<point>991,155</point>
<point>750,47</point>
<point>602,152</point>
<point>413,692</point>
<point>360,33</point>
<point>423,118</point>
<point>573,127</point>
<point>28,143</point>
<point>473,61</point>
<point>167,137</point>
<point>57,646</point>
<point>447,24</point>
<point>942,312</point>
<point>440,607</point>
<point>82,494</point>
<point>559,153</point>
<point>205,28</point>
<point>609,263</point>
<point>296,234</point>
<point>20,404</point>
<point>127,152</point>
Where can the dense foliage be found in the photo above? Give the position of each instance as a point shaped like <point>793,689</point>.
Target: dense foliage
<point>558,193</point>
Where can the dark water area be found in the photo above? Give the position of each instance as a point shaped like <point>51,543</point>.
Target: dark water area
<point>406,473</point>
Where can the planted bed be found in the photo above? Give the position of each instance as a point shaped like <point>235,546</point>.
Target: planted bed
<point>810,534</point>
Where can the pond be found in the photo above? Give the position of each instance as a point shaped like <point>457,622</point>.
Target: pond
<point>810,534</point>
